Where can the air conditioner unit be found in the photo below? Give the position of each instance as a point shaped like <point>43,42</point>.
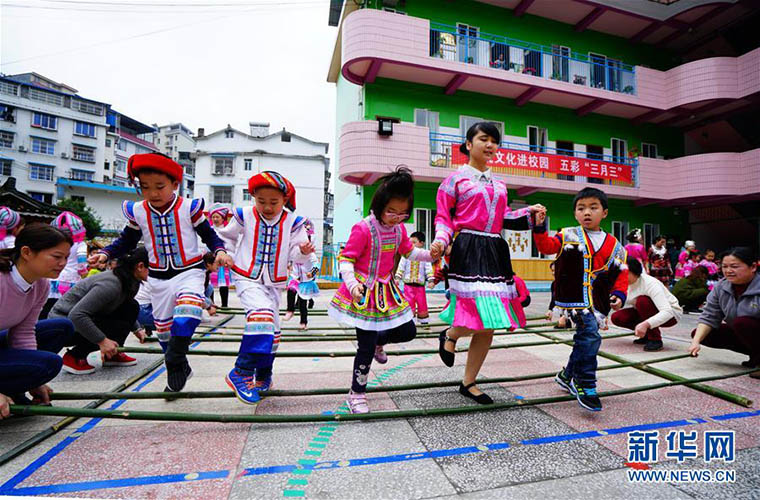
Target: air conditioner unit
<point>64,155</point>
<point>22,149</point>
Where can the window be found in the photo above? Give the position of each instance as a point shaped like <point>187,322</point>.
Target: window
<point>650,233</point>
<point>248,165</point>
<point>41,172</point>
<point>83,153</point>
<point>121,145</point>
<point>467,44</point>
<point>560,63</point>
<point>648,150</point>
<point>81,175</point>
<point>465,122</point>
<point>285,137</point>
<point>229,134</point>
<point>106,165</point>
<point>594,152</point>
<point>6,113</point>
<point>246,195</point>
<point>565,148</point>
<point>8,88</point>
<point>46,97</point>
<point>223,166</point>
<point>6,167</point>
<point>619,150</point>
<point>85,129</point>
<point>43,146</point>
<point>43,197</point>
<point>537,138</point>
<point>108,143</point>
<point>120,166</point>
<point>620,230</point>
<point>86,107</point>
<point>6,139</point>
<point>221,194</point>
<point>48,122</point>
<point>424,221</point>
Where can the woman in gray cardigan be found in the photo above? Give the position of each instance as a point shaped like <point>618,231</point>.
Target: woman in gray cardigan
<point>731,317</point>
<point>103,310</point>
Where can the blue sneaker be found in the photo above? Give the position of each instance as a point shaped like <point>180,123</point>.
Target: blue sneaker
<point>244,387</point>
<point>587,397</point>
<point>264,385</point>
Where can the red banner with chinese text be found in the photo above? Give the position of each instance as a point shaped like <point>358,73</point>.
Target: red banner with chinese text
<point>555,164</point>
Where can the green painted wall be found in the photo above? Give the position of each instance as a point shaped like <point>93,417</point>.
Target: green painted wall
<point>500,21</point>
<point>560,210</point>
<point>399,99</point>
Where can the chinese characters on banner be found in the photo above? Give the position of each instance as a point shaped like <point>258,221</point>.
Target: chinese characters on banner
<point>554,164</point>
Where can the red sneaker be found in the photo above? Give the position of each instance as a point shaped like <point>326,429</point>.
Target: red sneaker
<point>76,366</point>
<point>120,359</point>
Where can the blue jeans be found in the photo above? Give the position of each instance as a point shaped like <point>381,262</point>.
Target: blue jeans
<point>582,363</point>
<point>25,369</point>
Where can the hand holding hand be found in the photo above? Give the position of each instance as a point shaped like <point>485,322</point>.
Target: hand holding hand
<point>436,250</point>
<point>212,311</point>
<point>616,303</point>
<point>358,292</point>
<point>223,259</point>
<point>97,258</point>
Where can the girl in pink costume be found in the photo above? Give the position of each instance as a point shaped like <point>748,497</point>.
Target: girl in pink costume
<point>472,210</point>
<point>683,257</point>
<point>76,264</point>
<point>635,248</point>
<point>369,298</point>
<point>219,216</point>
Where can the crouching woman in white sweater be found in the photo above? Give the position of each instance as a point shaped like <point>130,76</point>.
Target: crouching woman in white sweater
<point>648,307</point>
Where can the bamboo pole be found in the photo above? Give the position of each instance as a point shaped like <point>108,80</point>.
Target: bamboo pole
<point>63,423</point>
<point>342,354</point>
<point>713,391</point>
<point>327,391</point>
<point>380,415</point>
<point>325,337</point>
<point>235,328</point>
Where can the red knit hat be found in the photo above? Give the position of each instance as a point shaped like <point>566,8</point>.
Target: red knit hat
<point>277,181</point>
<point>154,161</point>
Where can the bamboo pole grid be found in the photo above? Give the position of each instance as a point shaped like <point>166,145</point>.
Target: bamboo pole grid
<point>549,337</point>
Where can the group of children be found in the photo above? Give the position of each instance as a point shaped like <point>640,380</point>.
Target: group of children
<point>260,247</point>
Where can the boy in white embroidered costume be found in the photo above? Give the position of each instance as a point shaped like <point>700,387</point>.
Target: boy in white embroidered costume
<point>170,226</point>
<point>271,237</point>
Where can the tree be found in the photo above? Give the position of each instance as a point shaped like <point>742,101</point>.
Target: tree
<point>91,221</point>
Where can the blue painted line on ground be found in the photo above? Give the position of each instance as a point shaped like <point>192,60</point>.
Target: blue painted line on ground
<point>118,483</point>
<point>335,464</point>
<point>30,469</point>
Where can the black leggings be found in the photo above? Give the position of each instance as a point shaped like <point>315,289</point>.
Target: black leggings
<point>293,301</point>
<point>224,293</point>
<point>368,340</point>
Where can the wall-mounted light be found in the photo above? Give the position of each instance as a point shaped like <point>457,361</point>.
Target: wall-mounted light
<point>385,125</point>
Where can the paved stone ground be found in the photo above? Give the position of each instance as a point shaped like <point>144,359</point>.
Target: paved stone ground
<point>550,451</point>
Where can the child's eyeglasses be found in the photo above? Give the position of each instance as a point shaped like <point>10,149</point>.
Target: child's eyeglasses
<point>396,217</point>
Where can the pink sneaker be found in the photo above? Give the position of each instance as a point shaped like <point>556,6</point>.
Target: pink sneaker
<point>380,355</point>
<point>357,402</point>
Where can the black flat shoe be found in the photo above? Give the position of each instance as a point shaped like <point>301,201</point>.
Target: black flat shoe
<point>483,399</point>
<point>446,356</point>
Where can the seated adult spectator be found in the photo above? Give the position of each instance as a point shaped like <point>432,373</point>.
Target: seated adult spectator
<point>692,291</point>
<point>648,307</point>
<point>103,310</point>
<point>28,348</point>
<point>731,318</point>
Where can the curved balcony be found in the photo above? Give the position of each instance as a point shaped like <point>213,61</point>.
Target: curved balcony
<point>382,44</point>
<point>365,156</point>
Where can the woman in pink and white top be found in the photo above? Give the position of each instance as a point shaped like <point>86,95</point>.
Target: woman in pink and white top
<point>683,257</point>
<point>635,248</point>
<point>28,348</point>
<point>472,210</point>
